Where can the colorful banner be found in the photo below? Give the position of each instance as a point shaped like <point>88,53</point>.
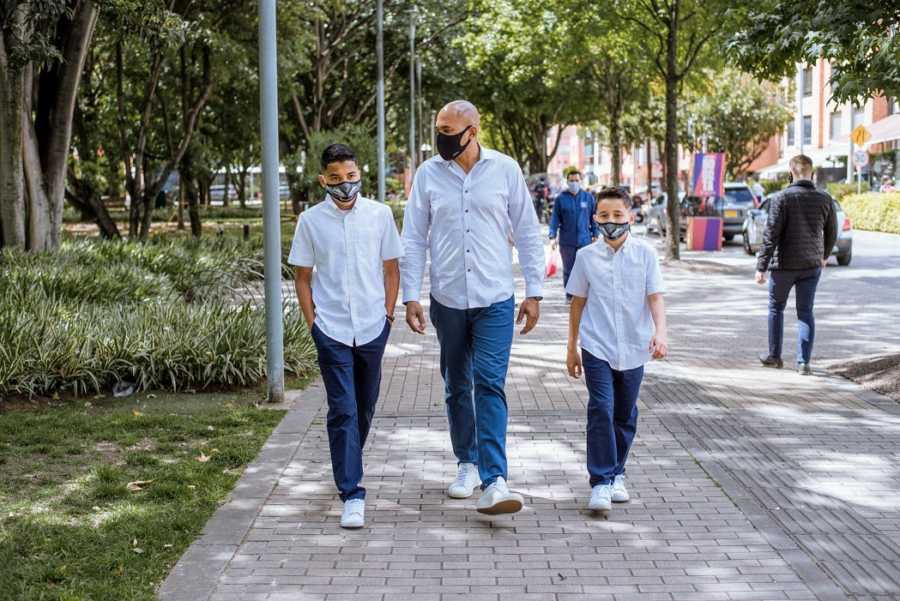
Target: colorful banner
<point>709,174</point>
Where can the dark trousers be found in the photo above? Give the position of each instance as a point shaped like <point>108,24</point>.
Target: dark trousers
<point>475,345</point>
<point>568,259</point>
<point>780,284</point>
<point>612,415</point>
<point>352,377</point>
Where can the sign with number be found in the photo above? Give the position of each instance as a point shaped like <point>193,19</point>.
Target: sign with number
<point>860,135</point>
<point>861,158</point>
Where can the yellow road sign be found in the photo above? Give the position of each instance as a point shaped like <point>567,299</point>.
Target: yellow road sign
<point>860,135</point>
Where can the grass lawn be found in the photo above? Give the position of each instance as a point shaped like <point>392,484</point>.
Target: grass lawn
<point>99,498</point>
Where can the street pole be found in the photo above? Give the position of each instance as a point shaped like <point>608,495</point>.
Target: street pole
<point>850,151</point>
<point>800,92</point>
<point>268,100</point>
<point>379,50</point>
<point>412,92</point>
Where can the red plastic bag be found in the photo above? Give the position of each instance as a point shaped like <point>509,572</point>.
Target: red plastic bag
<point>553,263</point>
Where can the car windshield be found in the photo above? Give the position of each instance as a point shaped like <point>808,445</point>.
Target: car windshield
<point>739,195</point>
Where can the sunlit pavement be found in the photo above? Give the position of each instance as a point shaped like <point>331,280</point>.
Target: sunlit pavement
<point>746,483</point>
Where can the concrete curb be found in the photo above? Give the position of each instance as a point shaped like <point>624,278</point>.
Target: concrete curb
<point>196,575</point>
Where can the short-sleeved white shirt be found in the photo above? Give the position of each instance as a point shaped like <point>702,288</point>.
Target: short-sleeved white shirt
<point>347,250</point>
<point>616,325</point>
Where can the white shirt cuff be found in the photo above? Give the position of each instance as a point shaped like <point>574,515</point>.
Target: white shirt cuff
<point>534,290</point>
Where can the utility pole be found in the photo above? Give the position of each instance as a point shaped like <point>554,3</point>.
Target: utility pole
<point>801,91</point>
<point>379,50</point>
<point>850,149</point>
<point>420,109</point>
<point>268,100</point>
<point>412,92</point>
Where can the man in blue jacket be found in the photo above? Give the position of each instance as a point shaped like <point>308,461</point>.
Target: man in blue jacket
<point>572,219</point>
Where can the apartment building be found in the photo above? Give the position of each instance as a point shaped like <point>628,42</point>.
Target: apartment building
<point>821,129</point>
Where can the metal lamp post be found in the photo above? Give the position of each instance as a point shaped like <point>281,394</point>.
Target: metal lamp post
<point>268,100</point>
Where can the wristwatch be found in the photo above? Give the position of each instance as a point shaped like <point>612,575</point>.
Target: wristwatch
<point>390,318</point>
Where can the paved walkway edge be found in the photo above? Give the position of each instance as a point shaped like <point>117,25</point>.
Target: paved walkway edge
<point>197,573</point>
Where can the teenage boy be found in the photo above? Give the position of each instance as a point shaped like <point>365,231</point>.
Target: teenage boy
<point>617,291</point>
<point>572,218</point>
<point>348,302</point>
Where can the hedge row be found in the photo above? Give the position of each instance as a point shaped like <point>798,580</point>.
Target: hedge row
<point>879,212</point>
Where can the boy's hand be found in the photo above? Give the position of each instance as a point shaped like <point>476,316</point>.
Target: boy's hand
<point>415,317</point>
<point>659,347</point>
<point>573,363</point>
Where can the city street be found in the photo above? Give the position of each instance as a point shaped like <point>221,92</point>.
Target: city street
<point>746,483</point>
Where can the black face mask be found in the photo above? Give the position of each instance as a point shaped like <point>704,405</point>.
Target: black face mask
<point>614,231</point>
<point>448,145</point>
<point>345,191</point>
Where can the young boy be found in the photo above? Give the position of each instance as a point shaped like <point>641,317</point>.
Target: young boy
<point>348,302</point>
<point>617,292</point>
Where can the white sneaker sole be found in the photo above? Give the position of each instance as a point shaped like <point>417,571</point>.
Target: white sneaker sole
<point>352,525</point>
<point>622,499</point>
<point>510,505</point>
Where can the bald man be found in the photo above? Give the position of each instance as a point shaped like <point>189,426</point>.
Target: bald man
<point>467,208</point>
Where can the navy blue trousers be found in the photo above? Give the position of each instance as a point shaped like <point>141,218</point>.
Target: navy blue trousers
<point>352,377</point>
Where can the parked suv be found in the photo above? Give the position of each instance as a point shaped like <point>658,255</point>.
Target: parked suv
<point>755,227</point>
<point>734,208</point>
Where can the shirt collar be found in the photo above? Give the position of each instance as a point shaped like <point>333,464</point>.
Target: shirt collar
<point>608,249</point>
<point>337,211</point>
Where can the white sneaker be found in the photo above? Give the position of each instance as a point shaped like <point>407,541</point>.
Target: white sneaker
<point>619,492</point>
<point>466,481</point>
<point>601,498</point>
<point>354,515</point>
<point>497,499</point>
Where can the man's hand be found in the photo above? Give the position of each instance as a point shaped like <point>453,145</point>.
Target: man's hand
<point>824,263</point>
<point>530,309</point>
<point>554,244</point>
<point>415,317</point>
<point>659,346</point>
<point>760,277</point>
<point>573,363</point>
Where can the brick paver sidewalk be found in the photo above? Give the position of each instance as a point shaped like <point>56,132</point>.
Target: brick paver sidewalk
<point>746,484</point>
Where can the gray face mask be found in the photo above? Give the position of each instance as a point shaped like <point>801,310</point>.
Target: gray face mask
<point>614,231</point>
<point>574,187</point>
<point>345,191</point>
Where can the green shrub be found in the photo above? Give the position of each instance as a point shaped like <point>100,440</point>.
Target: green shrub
<point>164,315</point>
<point>397,208</point>
<point>874,211</point>
<point>773,185</point>
<point>839,189</point>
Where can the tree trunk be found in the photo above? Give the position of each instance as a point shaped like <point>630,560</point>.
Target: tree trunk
<point>673,207</point>
<point>615,149</point>
<point>242,187</point>
<point>227,185</point>
<point>649,169</point>
<point>54,152</point>
<point>12,188</point>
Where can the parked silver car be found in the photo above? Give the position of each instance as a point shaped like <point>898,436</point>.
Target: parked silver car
<point>755,227</point>
<point>734,208</point>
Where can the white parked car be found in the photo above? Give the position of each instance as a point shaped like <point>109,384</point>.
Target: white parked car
<point>755,228</point>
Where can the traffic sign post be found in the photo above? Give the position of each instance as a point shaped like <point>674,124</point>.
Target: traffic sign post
<point>860,135</point>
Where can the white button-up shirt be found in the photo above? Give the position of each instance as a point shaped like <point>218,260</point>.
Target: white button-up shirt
<point>616,325</point>
<point>469,222</point>
<point>347,250</point>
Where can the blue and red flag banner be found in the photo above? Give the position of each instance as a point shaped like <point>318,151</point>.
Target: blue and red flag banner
<point>709,174</point>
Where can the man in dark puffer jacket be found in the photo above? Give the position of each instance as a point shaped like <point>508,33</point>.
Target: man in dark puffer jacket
<point>800,233</point>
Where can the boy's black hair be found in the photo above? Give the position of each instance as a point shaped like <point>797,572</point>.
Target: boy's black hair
<point>573,172</point>
<point>615,192</point>
<point>337,153</point>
